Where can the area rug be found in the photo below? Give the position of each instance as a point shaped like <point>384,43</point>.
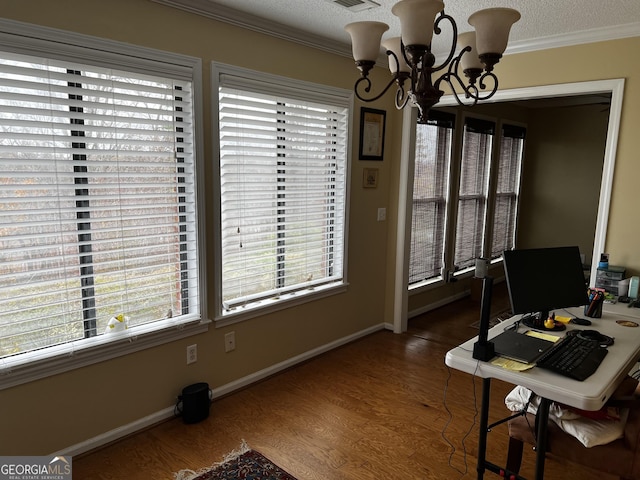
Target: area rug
<point>241,464</point>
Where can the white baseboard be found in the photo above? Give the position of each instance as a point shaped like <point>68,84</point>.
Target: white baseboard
<point>440,303</point>
<point>117,433</point>
<point>166,413</point>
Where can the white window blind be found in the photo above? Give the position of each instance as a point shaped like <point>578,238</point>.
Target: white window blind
<point>97,203</point>
<point>472,197</point>
<point>507,189</point>
<point>282,185</point>
<point>430,186</point>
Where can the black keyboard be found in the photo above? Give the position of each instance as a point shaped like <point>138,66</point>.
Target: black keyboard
<point>573,357</point>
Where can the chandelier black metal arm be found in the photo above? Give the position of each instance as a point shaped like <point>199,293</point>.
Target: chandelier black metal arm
<point>437,31</point>
<point>423,93</point>
<point>476,81</point>
<point>398,78</point>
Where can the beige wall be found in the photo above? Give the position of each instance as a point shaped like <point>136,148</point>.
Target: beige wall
<point>63,410</point>
<point>561,177</point>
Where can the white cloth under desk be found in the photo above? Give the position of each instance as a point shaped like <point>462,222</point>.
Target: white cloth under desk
<point>590,394</point>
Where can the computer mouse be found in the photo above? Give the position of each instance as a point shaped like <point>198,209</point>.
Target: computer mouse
<point>580,321</point>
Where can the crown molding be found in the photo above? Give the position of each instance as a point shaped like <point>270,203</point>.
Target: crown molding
<point>601,34</point>
<point>257,24</point>
<point>260,25</point>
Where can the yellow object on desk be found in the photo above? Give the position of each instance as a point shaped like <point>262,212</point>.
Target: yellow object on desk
<point>562,319</point>
<point>511,364</point>
<point>544,336</point>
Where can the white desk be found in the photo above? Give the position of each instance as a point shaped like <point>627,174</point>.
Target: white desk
<point>621,309</point>
<point>590,394</point>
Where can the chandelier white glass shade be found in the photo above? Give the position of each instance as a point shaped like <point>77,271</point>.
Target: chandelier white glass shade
<point>411,59</point>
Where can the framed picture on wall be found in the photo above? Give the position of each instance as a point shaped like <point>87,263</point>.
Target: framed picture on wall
<point>372,124</point>
<point>370,177</point>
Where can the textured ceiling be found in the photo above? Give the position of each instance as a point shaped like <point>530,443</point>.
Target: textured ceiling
<point>543,22</point>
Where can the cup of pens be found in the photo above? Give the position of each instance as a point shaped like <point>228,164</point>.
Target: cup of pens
<point>596,298</point>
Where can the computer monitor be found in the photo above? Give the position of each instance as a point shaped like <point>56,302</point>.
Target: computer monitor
<point>543,279</point>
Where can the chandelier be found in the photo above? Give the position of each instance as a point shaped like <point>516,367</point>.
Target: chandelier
<point>411,59</point>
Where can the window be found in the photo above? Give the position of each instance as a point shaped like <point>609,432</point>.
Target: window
<point>465,195</point>
<point>97,205</point>
<point>430,188</point>
<point>283,170</point>
<point>473,191</point>
<point>507,189</point>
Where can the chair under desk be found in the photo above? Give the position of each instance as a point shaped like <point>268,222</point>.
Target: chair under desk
<point>590,394</point>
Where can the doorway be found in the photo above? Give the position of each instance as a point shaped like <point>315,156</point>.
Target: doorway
<point>613,88</point>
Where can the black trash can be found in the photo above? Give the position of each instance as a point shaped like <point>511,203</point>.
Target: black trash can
<point>194,402</point>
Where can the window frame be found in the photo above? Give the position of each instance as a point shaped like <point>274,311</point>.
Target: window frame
<point>27,39</point>
<point>270,84</point>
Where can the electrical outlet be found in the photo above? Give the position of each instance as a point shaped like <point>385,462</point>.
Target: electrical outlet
<point>192,354</point>
<point>229,341</point>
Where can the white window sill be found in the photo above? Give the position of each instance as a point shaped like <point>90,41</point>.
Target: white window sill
<point>255,309</point>
<point>425,285</point>
<point>62,358</point>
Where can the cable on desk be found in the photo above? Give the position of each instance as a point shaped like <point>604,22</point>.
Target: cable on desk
<point>514,326</point>
<point>524,411</point>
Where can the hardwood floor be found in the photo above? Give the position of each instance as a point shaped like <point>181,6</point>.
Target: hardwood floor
<point>374,409</point>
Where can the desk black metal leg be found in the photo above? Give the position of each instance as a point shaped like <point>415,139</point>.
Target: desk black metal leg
<point>484,422</point>
<point>542,417</point>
